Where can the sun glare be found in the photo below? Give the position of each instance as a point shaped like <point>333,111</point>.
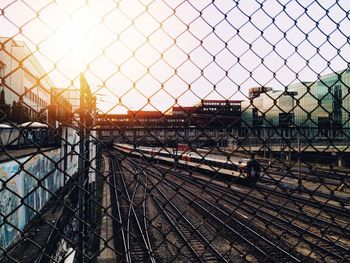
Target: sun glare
<point>73,34</point>
<point>151,54</point>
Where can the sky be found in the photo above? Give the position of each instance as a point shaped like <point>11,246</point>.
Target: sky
<point>144,54</point>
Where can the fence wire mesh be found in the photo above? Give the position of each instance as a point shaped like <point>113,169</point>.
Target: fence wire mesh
<point>174,131</point>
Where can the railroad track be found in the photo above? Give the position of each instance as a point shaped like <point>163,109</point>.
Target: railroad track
<point>279,222</point>
<point>118,220</point>
<point>131,207</point>
<point>284,220</point>
<point>341,199</point>
<point>330,189</point>
<point>327,247</point>
<point>309,201</point>
<point>193,244</point>
<point>315,175</point>
<point>261,247</point>
<point>223,221</point>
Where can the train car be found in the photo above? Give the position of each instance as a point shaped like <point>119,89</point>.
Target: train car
<point>236,168</point>
<point>183,147</point>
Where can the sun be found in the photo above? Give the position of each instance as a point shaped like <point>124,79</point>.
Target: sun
<point>113,48</point>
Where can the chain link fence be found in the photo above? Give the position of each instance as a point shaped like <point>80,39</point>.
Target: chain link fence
<point>174,131</point>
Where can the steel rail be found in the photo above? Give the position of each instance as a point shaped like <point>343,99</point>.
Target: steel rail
<point>313,203</point>
<point>266,254</point>
<point>330,196</point>
<point>231,229</point>
<point>178,231</point>
<point>285,223</point>
<point>168,201</point>
<point>314,174</point>
<point>144,208</point>
<point>157,201</point>
<point>188,222</point>
<point>132,213</point>
<point>321,239</point>
<point>325,207</point>
<point>225,193</point>
<point>144,205</point>
<point>113,164</point>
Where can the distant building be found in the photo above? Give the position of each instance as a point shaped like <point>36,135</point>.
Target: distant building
<point>323,104</point>
<point>206,114</point>
<point>272,108</point>
<point>71,94</point>
<point>66,103</point>
<point>24,82</point>
<point>211,114</point>
<point>135,119</point>
<point>256,91</point>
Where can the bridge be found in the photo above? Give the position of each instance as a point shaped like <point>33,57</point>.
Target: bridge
<point>288,142</point>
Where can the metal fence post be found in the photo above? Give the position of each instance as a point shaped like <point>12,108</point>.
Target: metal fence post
<point>82,168</point>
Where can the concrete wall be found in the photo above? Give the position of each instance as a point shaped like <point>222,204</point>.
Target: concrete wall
<point>23,184</point>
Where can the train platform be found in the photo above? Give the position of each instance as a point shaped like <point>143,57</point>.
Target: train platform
<point>9,155</point>
<point>106,242</point>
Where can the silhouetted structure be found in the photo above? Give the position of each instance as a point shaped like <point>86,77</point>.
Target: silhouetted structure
<point>206,114</point>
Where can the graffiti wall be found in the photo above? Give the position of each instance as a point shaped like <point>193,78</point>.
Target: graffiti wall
<point>32,179</point>
<point>72,150</point>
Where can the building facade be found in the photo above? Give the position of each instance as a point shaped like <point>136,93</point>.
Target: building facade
<point>24,82</point>
<point>323,105</point>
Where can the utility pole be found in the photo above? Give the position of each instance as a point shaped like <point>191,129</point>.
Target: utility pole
<point>264,141</point>
<point>84,160</point>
